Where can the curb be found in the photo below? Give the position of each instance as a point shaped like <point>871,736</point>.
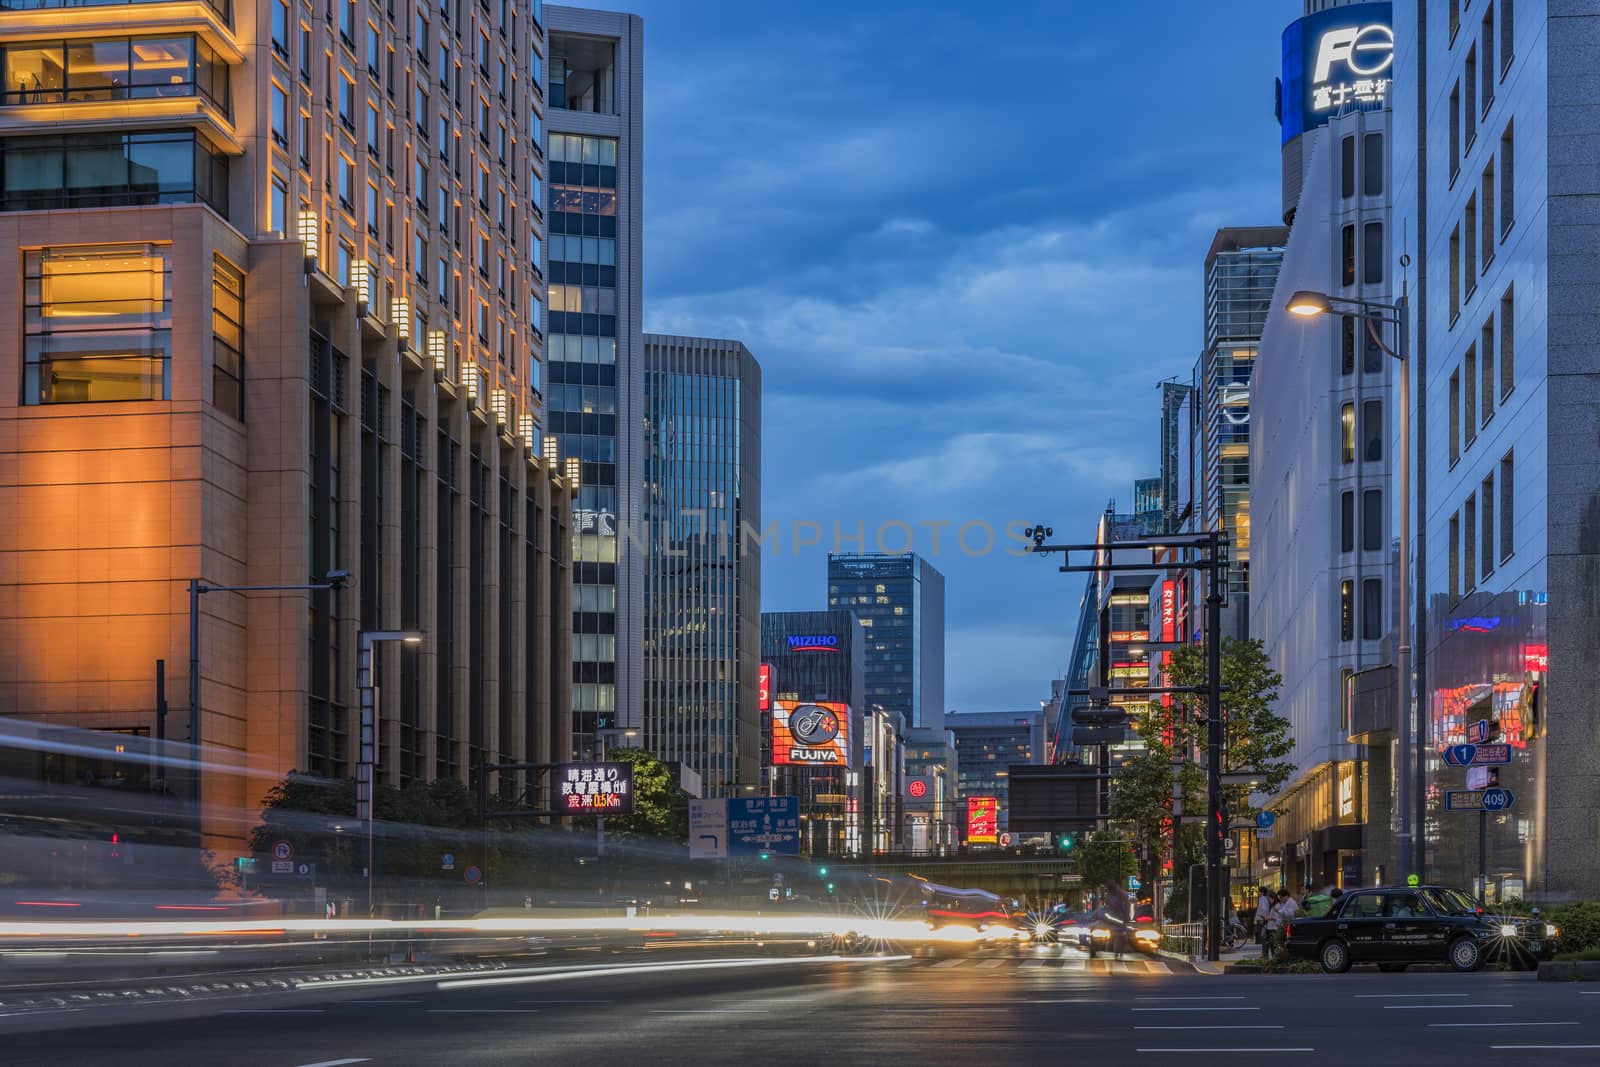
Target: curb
<point>1569,971</point>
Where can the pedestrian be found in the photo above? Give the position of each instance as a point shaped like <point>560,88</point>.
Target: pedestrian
<point>1263,912</point>
<point>1318,903</point>
<point>1274,923</point>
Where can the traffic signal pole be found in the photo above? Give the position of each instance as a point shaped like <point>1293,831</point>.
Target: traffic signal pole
<point>1206,552</point>
<point>1219,824</point>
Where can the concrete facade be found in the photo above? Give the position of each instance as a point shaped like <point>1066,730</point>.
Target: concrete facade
<point>390,423</point>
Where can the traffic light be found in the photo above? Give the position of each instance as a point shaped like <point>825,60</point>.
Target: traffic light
<point>822,872</point>
<point>766,855</point>
<point>1066,842</point>
<point>830,887</point>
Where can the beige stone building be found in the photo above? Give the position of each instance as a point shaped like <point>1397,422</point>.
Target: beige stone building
<point>273,279</point>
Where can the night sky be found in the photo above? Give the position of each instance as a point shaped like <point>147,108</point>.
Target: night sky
<point>965,242</point>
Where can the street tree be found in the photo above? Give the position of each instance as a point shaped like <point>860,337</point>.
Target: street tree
<point>1105,859</point>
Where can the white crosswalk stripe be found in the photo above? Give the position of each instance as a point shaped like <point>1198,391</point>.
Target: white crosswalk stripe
<point>1044,966</point>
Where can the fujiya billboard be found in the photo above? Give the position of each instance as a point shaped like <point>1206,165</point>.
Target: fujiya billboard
<point>810,735</point>
<point>1340,59</point>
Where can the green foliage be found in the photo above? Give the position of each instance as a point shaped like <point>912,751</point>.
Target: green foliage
<point>660,806</point>
<point>1588,955</point>
<point>1105,859</point>
<point>1280,963</point>
<point>1255,738</point>
<point>1580,925</point>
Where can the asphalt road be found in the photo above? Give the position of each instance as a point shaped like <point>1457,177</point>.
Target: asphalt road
<point>1043,1006</point>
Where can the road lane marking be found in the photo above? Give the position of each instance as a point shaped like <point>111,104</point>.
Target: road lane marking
<point>948,963</point>
<point>1497,1026</point>
<point>483,1011</point>
<point>338,1063</point>
<point>1225,1050</point>
<point>1195,1009</point>
<point>273,1011</point>
<point>1188,998</point>
<point>946,1011</point>
<point>382,1002</point>
<point>1441,1007</point>
<point>1405,996</point>
<point>631,969</point>
<point>1542,1046</point>
<point>710,1011</point>
<point>561,1002</point>
<point>1224,1026</point>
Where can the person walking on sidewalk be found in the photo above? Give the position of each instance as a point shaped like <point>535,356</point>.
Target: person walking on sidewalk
<point>1263,913</point>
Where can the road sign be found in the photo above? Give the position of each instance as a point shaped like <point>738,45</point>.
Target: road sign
<point>772,894</point>
<point>708,829</point>
<point>1266,833</point>
<point>1005,840</point>
<point>1230,845</point>
<point>1478,755</point>
<point>305,870</point>
<point>1265,819</point>
<point>282,867</point>
<point>473,875</point>
<point>1478,731</point>
<point>1134,884</point>
<point>282,850</point>
<point>759,825</point>
<point>447,862</point>
<point>1493,799</point>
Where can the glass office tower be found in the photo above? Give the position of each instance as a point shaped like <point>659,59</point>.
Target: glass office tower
<point>900,602</point>
<point>595,347</point>
<point>702,595</point>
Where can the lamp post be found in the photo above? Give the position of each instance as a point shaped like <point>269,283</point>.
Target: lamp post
<point>600,820</point>
<point>198,587</point>
<point>1410,780</point>
<point>366,766</point>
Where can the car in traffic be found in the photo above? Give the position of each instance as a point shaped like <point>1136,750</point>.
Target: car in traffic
<point>1396,927</point>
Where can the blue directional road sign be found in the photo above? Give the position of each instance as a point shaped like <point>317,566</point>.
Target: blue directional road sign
<point>1493,799</point>
<point>1460,755</point>
<point>1265,819</point>
<point>764,824</point>
<point>1478,731</point>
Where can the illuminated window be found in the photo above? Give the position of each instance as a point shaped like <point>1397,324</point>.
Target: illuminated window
<point>115,68</point>
<point>112,169</point>
<point>1347,433</point>
<point>227,338</point>
<point>97,324</point>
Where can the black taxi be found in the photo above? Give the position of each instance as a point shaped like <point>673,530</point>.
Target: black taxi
<point>1394,927</point>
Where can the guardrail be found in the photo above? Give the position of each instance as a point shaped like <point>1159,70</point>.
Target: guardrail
<point>1186,938</point>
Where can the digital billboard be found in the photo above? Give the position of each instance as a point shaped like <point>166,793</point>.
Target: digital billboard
<point>764,687</point>
<point>593,788</point>
<point>810,735</point>
<point>1336,60</point>
<point>983,820</point>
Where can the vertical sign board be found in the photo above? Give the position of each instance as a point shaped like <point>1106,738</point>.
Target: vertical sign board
<point>764,687</point>
<point>708,829</point>
<point>764,824</point>
<point>592,788</point>
<point>1169,628</point>
<point>983,820</point>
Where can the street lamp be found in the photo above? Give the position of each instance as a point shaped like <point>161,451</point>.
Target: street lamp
<point>1308,303</point>
<point>366,766</point>
<point>197,587</point>
<point>600,821</point>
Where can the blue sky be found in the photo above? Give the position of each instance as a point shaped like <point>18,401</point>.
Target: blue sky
<point>965,242</point>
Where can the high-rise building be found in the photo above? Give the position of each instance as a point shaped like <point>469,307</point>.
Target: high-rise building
<point>987,744</point>
<point>596,347</point>
<point>814,659</point>
<point>899,599</point>
<point>702,593</point>
<point>276,280</point>
<point>1492,170</point>
<point>1241,267</point>
<point>1321,583</point>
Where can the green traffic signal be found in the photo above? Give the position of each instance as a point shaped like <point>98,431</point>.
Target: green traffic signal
<point>830,887</point>
<point>766,855</point>
<point>822,872</point>
<point>1066,841</point>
